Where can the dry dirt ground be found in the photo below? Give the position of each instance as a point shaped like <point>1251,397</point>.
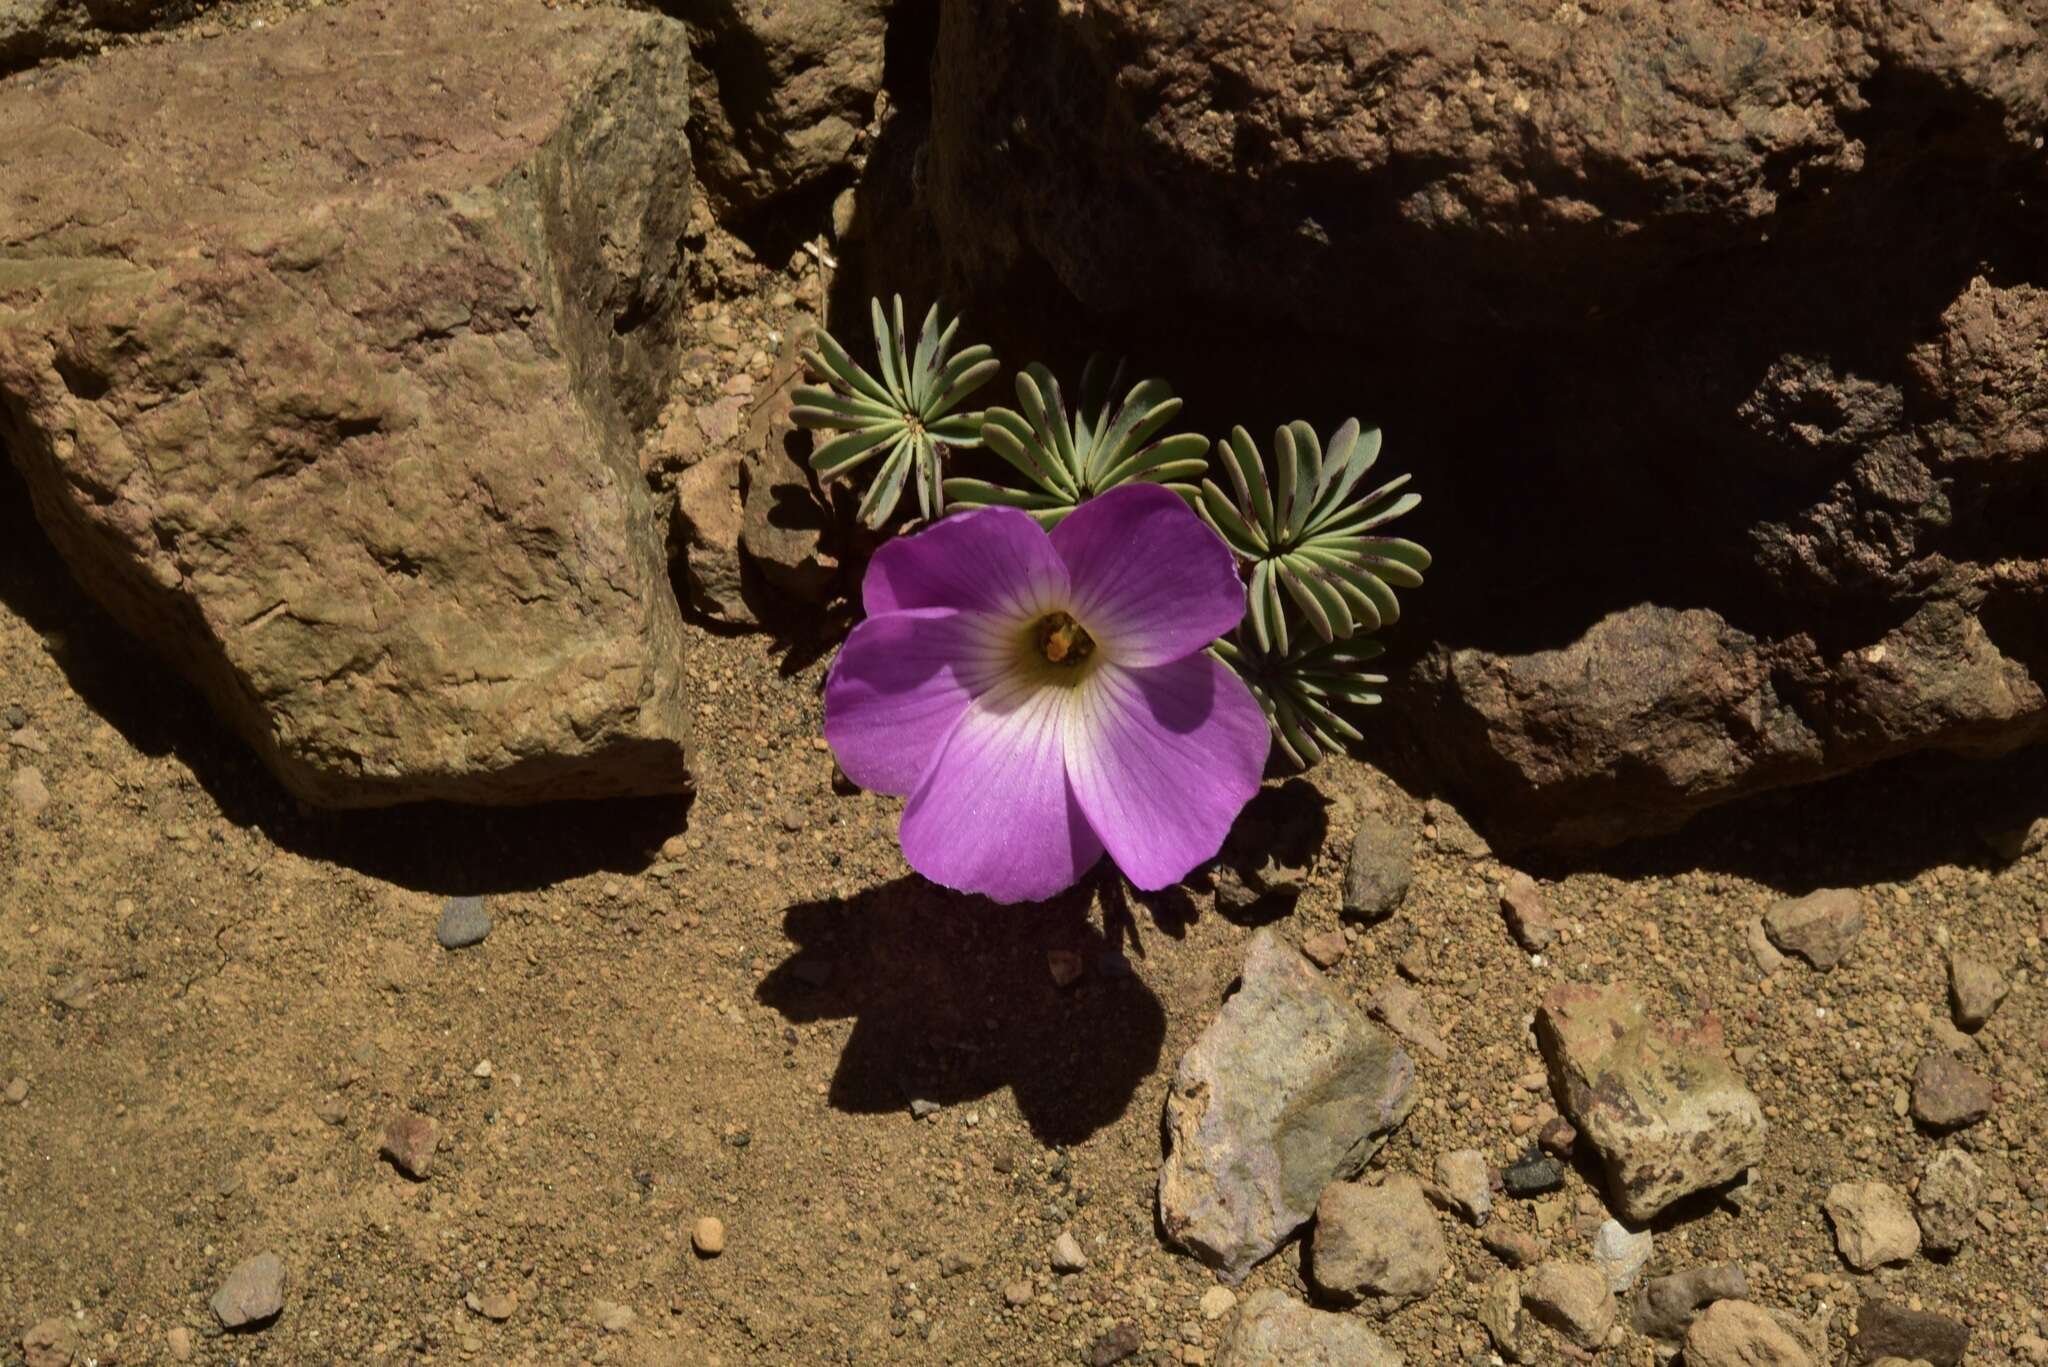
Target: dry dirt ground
<point>215,1000</point>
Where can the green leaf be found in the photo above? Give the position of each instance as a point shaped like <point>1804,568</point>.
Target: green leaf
<point>1259,607</point>
<point>1181,456</point>
<point>1223,515</point>
<point>842,454</point>
<point>979,493</point>
<point>1009,436</point>
<point>881,498</point>
<point>1254,491</point>
<point>927,349</point>
<point>832,358</point>
<point>957,381</point>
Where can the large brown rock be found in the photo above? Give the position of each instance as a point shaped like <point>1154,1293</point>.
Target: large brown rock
<point>324,351</point>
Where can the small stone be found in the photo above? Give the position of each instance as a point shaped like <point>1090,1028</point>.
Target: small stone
<point>952,1263</point>
<point>1217,1302</point>
<point>1466,1182</point>
<point>178,1342</point>
<point>28,791</point>
<point>707,1236</point>
<point>492,1305</point>
<point>1272,1329</point>
<point>409,1142</point>
<point>1735,1333</point>
<point>1500,1311</point>
<point>1821,927</point>
<point>1621,1253</point>
<point>1535,929</point>
<point>1873,1224</point>
<point>1406,1012</point>
<point>1572,1299</point>
<point>1975,990</point>
<point>1660,1104</point>
<point>17,1090</point>
<point>1946,1201</point>
<point>2032,1347</point>
<point>1114,1345</point>
<point>612,1317</point>
<point>1453,834</point>
<point>1948,1094</point>
<point>1531,1175</point>
<point>1064,965</point>
<point>1382,866</point>
<point>465,921</point>
<point>1017,1293</point>
<point>1558,1136</point>
<point>1515,1247</point>
<point>1326,950</point>
<point>1379,1246</point>
<point>921,1109</point>
<point>483,1069</point>
<point>1886,1329</point>
<point>1066,1253</point>
<point>1768,959</point>
<point>1667,1306</point>
<point>50,1343</point>
<point>252,1294</point>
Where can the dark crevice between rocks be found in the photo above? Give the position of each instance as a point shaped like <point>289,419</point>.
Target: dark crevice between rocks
<point>436,847</point>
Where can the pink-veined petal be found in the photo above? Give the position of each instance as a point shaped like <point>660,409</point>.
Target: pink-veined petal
<point>994,814</point>
<point>901,682</point>
<point>1151,581</point>
<point>1162,760</point>
<point>994,560</point>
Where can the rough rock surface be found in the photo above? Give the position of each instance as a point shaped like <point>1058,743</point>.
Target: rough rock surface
<point>1500,1310</point>
<point>1381,867</point>
<point>1667,1306</point>
<point>1622,1253</point>
<point>1976,989</point>
<point>1821,927</point>
<point>1735,1333</point>
<point>1856,580</point>
<point>331,392</point>
<point>1272,1329</point>
<point>252,1294</point>
<point>1380,1247</point>
<point>1948,1094</point>
<point>1521,902</point>
<point>1465,1181</point>
<point>1873,1224</point>
<point>704,536</point>
<point>1886,1329</point>
<point>1946,1201</point>
<point>1662,1105</point>
<point>36,30</point>
<point>1288,1090</point>
<point>1572,1299</point>
<point>784,518</point>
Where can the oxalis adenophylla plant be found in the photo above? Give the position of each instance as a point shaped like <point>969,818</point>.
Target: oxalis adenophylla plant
<point>1098,655</point>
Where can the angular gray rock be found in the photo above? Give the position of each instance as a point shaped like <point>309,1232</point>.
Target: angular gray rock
<point>1465,1182</point>
<point>1735,1333</point>
<point>1572,1299</point>
<point>334,397</point>
<point>705,536</point>
<point>1662,1105</point>
<point>1381,867</point>
<point>1666,1306</point>
<point>1873,1224</point>
<point>1521,902</point>
<point>1946,1201</point>
<point>465,921</point>
<point>1621,1253</point>
<point>1287,1091</point>
<point>1272,1329</point>
<point>1379,1247</point>
<point>1500,1311</point>
<point>252,1294</point>
<point>1976,989</point>
<point>1821,927</point>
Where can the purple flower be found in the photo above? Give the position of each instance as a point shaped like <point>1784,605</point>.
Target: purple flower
<point>1041,698</point>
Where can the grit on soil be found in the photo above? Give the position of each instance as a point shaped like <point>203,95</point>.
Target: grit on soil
<point>217,1000</point>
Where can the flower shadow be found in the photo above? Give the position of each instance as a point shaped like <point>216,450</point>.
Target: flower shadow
<point>952,999</point>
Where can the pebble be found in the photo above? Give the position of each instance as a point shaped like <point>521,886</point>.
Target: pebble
<point>1768,959</point>
<point>28,791</point>
<point>178,1342</point>
<point>1272,1329</point>
<point>1500,1311</point>
<point>1217,1302</point>
<point>1521,902</point>
<point>1975,990</point>
<point>492,1305</point>
<point>1948,1094</point>
<point>1887,1329</point>
<point>1406,1012</point>
<point>1947,1200</point>
<point>707,1236</point>
<point>1466,1182</point>
<point>953,1263</point>
<point>409,1142</point>
<point>1572,1299</point>
<point>1821,927</point>
<point>49,1343</point>
<point>921,1109</point>
<point>1067,1255</point>
<point>1735,1333</point>
<point>17,1090</point>
<point>1873,1224</point>
<point>1380,1246</point>
<point>612,1317</point>
<point>1515,1247</point>
<point>1533,1174</point>
<point>1326,950</point>
<point>1017,1293</point>
<point>1668,1305</point>
<point>1621,1253</point>
<point>465,921</point>
<point>1381,867</point>
<point>1558,1136</point>
<point>1114,1345</point>
<point>1064,965</point>
<point>252,1293</point>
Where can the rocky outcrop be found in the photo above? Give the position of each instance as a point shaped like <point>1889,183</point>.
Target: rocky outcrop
<point>1711,331</point>
<point>324,351</point>
<point>36,30</point>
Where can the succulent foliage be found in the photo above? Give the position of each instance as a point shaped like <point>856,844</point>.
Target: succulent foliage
<point>905,416</point>
<point>1069,459</point>
<point>1301,690</point>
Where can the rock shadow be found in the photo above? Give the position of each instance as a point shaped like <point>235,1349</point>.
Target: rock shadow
<point>952,999</point>
<point>437,847</point>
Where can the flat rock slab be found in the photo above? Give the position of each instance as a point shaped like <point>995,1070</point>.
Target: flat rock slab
<point>1288,1090</point>
<point>1662,1105</point>
<point>324,350</point>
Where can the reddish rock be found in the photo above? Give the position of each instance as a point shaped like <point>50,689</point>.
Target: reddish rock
<point>409,1142</point>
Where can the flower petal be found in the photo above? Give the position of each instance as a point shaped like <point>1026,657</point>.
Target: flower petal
<point>985,560</point>
<point>1151,581</point>
<point>901,682</point>
<point>1162,760</point>
<point>994,814</point>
